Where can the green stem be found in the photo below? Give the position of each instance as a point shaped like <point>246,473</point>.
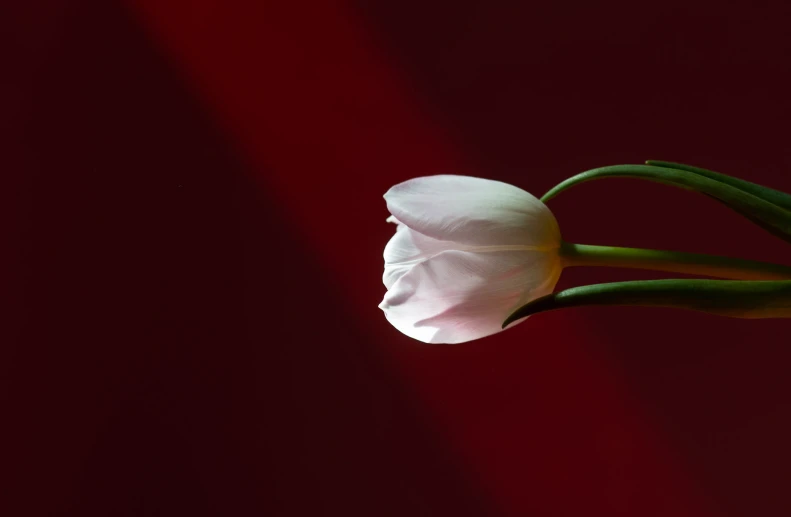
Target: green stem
<point>672,261</point>
<point>730,298</point>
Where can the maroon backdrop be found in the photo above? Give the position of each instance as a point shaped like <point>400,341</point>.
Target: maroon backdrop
<point>193,230</point>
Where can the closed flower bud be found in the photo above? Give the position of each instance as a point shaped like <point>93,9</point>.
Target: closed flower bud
<point>467,252</point>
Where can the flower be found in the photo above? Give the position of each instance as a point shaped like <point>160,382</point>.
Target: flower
<point>467,252</point>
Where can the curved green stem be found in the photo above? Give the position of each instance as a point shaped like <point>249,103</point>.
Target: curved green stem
<point>672,261</point>
<point>776,197</point>
<point>750,200</point>
<point>730,298</point>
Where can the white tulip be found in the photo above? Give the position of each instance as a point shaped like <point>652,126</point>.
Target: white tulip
<point>467,252</point>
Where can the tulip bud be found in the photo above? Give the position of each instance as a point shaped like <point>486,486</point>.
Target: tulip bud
<point>467,252</point>
<point>470,253</point>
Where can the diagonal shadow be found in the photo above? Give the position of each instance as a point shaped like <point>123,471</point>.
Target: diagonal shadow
<point>162,363</point>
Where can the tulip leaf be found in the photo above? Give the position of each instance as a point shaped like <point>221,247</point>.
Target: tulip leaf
<point>731,298</point>
<point>776,197</point>
<point>770,216</point>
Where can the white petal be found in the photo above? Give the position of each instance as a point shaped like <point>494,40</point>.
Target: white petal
<point>393,273</point>
<point>407,248</point>
<point>473,211</point>
<point>458,296</point>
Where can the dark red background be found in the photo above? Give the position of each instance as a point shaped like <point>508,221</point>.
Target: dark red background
<point>193,229</point>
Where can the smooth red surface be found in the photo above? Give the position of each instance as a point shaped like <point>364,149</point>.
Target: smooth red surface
<point>194,228</point>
